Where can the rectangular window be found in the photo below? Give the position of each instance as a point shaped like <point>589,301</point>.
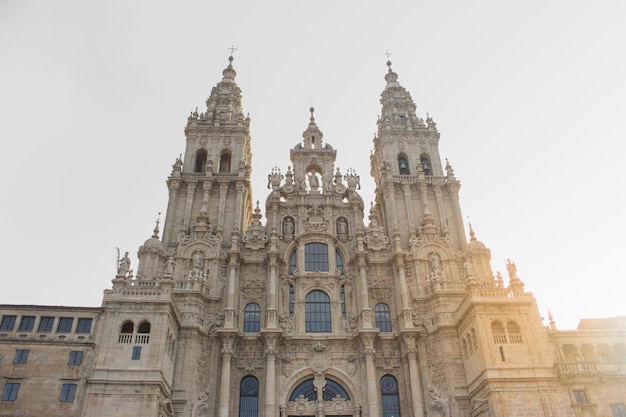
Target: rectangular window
<point>68,392</point>
<point>76,358</point>
<point>10,391</point>
<point>136,353</point>
<point>21,356</point>
<point>27,324</point>
<point>46,324</point>
<point>65,325</point>
<point>604,358</point>
<point>83,326</point>
<point>8,323</point>
<point>580,397</point>
<point>619,410</point>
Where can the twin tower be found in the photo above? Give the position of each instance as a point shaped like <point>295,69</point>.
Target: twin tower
<point>325,307</point>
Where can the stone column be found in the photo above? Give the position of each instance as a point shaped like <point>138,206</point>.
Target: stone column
<point>370,371</point>
<point>222,207</point>
<point>366,311</point>
<point>404,293</point>
<point>414,376</point>
<point>171,208</point>
<point>238,206</point>
<point>272,291</point>
<point>229,321</point>
<point>270,374</point>
<point>227,354</point>
<point>406,190</point>
<point>191,188</point>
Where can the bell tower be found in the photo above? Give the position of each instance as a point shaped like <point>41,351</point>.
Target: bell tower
<point>413,187</point>
<point>209,187</point>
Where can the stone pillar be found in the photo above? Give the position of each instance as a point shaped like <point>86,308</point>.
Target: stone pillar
<point>270,374</point>
<point>406,190</point>
<point>366,311</point>
<point>271,319</point>
<point>222,207</point>
<point>229,321</point>
<point>370,371</point>
<point>227,354</point>
<point>238,205</point>
<point>191,188</point>
<point>404,293</point>
<point>171,208</point>
<point>414,376</point>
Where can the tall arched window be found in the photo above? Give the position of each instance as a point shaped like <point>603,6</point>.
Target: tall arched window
<point>249,397</point>
<point>499,336</point>
<point>252,318</point>
<point>143,332</point>
<point>225,163</point>
<point>201,157</point>
<point>339,261</point>
<point>383,317</point>
<point>403,165</point>
<point>316,257</point>
<point>126,332</point>
<point>389,396</point>
<point>292,263</point>
<point>515,335</point>
<point>426,165</point>
<point>317,312</point>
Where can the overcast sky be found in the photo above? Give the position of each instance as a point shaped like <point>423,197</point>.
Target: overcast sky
<point>529,98</point>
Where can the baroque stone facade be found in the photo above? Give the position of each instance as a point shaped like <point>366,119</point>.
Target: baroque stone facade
<point>326,308</point>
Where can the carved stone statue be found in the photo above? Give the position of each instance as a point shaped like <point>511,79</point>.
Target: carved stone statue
<point>314,182</point>
<point>288,226</point>
<point>169,266</point>
<point>435,263</point>
<point>124,266</point>
<point>469,269</point>
<point>342,226</point>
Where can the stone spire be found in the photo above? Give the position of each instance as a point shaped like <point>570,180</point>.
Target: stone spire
<point>312,135</point>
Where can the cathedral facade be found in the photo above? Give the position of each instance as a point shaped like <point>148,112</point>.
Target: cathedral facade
<point>326,308</point>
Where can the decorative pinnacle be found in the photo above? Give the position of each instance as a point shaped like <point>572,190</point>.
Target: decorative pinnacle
<point>232,50</point>
<point>388,54</point>
<point>155,232</point>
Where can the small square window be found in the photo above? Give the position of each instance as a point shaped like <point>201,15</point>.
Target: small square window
<point>27,324</point>
<point>46,324</point>
<point>580,397</point>
<point>10,391</point>
<point>7,323</point>
<point>68,392</point>
<point>136,353</point>
<point>83,326</point>
<point>76,358</point>
<point>65,325</point>
<point>21,356</point>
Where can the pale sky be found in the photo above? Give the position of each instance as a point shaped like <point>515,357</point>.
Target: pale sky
<point>529,98</point>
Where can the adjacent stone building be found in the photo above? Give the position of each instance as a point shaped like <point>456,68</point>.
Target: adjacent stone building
<point>326,308</point>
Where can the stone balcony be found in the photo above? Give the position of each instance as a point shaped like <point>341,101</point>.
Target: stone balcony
<point>572,369</point>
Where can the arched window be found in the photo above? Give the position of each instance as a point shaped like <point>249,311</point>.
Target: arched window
<point>499,336</point>
<point>339,261</point>
<point>317,312</point>
<point>128,327</point>
<point>143,333</point>
<point>144,327</point>
<point>225,163</point>
<point>389,396</point>
<point>252,318</point>
<point>316,257</point>
<point>249,397</point>
<point>383,317</point>
<point>292,263</point>
<point>126,332</point>
<point>426,165</point>
<point>403,165</point>
<point>201,157</point>
<point>331,390</point>
<point>515,335</point>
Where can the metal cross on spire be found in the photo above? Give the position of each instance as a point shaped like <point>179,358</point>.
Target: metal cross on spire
<point>232,50</point>
<point>387,53</point>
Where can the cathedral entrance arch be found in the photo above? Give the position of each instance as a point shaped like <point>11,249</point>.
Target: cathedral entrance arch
<point>319,397</point>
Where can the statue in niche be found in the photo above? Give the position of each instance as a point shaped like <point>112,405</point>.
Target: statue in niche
<point>124,266</point>
<point>314,182</point>
<point>469,269</point>
<point>169,266</point>
<point>435,263</point>
<point>288,227</point>
<point>342,226</point>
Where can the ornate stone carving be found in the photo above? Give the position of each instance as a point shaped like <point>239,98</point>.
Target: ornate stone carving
<point>439,403</point>
<point>255,237</point>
